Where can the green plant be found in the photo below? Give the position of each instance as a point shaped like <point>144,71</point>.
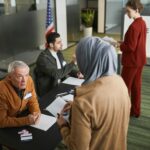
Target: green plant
<point>87,17</point>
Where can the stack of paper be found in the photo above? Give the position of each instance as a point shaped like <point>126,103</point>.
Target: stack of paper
<point>110,40</point>
<point>68,97</point>
<point>45,122</point>
<point>73,81</point>
<point>25,135</point>
<point>56,106</point>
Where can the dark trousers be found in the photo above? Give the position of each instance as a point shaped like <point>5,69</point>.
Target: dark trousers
<point>133,79</point>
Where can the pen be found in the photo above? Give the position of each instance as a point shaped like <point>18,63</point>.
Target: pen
<point>64,114</point>
<point>65,93</point>
<point>62,94</point>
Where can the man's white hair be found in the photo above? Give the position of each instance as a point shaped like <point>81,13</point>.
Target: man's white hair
<point>16,64</point>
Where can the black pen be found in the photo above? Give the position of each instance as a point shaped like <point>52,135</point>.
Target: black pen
<point>65,93</point>
<point>62,94</point>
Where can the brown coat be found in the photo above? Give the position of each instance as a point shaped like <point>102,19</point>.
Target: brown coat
<point>11,104</point>
<point>100,116</point>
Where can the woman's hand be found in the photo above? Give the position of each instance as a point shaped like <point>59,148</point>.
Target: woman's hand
<point>119,43</point>
<point>61,121</point>
<point>67,107</point>
<point>80,75</point>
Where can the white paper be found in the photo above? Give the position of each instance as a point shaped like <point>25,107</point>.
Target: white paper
<point>26,138</point>
<point>45,122</point>
<point>73,81</point>
<point>68,97</point>
<point>110,40</point>
<point>56,106</point>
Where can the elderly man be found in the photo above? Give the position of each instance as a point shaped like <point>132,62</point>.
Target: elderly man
<point>17,93</point>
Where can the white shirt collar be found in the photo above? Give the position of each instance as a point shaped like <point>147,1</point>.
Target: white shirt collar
<point>54,54</point>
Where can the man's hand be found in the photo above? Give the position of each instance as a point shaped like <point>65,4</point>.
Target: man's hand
<point>34,118</point>
<point>80,75</point>
<point>74,59</point>
<point>38,115</point>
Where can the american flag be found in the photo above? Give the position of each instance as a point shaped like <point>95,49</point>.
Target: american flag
<point>49,19</point>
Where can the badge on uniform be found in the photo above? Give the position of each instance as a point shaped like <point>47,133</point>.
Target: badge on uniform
<point>28,95</point>
<point>64,63</point>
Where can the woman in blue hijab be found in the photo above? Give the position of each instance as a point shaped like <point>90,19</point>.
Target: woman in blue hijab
<point>96,58</point>
<point>101,107</point>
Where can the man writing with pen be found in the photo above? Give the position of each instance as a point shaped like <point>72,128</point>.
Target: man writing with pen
<point>17,94</point>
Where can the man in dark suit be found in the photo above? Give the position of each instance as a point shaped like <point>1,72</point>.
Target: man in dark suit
<point>51,68</point>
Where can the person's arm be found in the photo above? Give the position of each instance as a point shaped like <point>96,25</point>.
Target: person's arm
<point>47,67</point>
<point>8,121</point>
<point>78,136</point>
<point>75,69</point>
<point>74,72</point>
<point>131,40</point>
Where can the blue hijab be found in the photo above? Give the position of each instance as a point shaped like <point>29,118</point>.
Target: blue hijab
<point>96,58</point>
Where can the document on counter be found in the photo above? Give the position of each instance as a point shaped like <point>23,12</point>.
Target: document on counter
<point>73,81</point>
<point>45,122</point>
<point>68,97</point>
<point>56,106</point>
<point>110,40</point>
